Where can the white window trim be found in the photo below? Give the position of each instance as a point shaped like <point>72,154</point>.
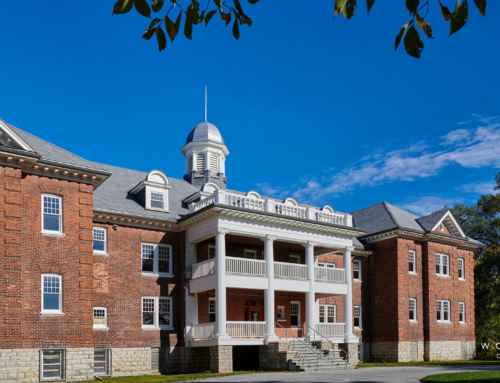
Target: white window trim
<point>164,191</point>
<point>295,257</point>
<point>254,252</point>
<point>156,259</point>
<point>99,252</point>
<point>463,269</point>
<point>326,265</point>
<point>53,312</point>
<point>156,319</point>
<point>360,327</point>
<point>440,274</point>
<point>356,279</point>
<point>53,232</point>
<point>215,305</point>
<point>415,310</point>
<point>326,313</point>
<point>284,313</point>
<point>460,304</point>
<point>299,325</point>
<point>62,364</point>
<point>414,272</point>
<point>101,326</point>
<point>215,251</point>
<point>443,311</point>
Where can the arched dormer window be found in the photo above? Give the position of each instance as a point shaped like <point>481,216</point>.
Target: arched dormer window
<point>153,191</point>
<point>254,194</point>
<point>210,187</point>
<point>291,202</point>
<point>328,209</point>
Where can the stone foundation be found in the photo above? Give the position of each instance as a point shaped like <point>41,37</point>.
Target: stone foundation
<point>275,356</point>
<point>194,359</point>
<point>398,351</point>
<point>352,350</point>
<point>451,350</point>
<point>130,361</point>
<point>221,359</point>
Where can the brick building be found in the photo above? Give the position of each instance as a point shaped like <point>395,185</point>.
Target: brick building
<point>112,271</point>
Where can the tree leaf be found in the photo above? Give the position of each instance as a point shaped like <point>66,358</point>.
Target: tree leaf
<point>339,6</point>
<point>149,33</point>
<point>238,6</point>
<point>122,6</point>
<point>236,29</point>
<point>349,9</point>
<point>445,11</point>
<point>412,6</point>
<point>188,26</point>
<point>209,16</point>
<point>178,23</point>
<point>162,40</point>
<point>253,1</point>
<point>413,43</point>
<point>218,3</point>
<point>401,34</point>
<point>419,20</point>
<point>142,7</point>
<point>427,29</point>
<point>481,6</point>
<point>171,29</point>
<point>157,5</point>
<point>226,17</point>
<point>460,17</point>
<point>369,5</point>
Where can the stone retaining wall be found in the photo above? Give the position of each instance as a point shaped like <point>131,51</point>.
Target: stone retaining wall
<point>130,361</point>
<point>451,350</point>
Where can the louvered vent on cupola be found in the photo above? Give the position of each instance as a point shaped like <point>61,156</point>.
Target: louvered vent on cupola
<point>213,163</point>
<point>191,163</point>
<point>200,161</point>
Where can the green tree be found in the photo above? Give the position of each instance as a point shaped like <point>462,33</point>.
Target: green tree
<point>482,222</point>
<point>194,15</point>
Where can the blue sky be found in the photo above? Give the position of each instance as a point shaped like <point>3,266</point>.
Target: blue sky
<point>311,107</point>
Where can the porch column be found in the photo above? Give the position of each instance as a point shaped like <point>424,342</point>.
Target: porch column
<point>311,295</point>
<point>269,293</point>
<point>349,336</point>
<point>220,285</point>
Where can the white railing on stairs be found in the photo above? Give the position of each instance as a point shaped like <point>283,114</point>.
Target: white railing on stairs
<point>290,270</point>
<point>323,274</point>
<point>202,269</point>
<point>245,266</point>
<point>246,329</point>
<point>331,330</point>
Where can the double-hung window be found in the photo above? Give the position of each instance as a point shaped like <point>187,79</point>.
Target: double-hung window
<point>52,364</point>
<point>212,317</point>
<point>461,311</point>
<point>411,262</point>
<point>327,314</point>
<point>211,252</point>
<point>157,200</point>
<point>51,294</point>
<point>280,313</point>
<point>357,316</point>
<point>461,271</point>
<point>356,270</point>
<point>327,265</point>
<point>51,214</point>
<point>156,312</point>
<point>413,309</point>
<point>100,318</point>
<point>443,311</point>
<point>294,258</point>
<point>99,240</point>
<point>156,259</point>
<point>250,254</point>
<point>442,265</point>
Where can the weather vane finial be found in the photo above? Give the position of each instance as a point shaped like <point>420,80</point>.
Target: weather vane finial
<point>205,103</point>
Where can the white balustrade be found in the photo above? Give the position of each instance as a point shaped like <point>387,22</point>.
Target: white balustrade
<point>203,330</point>
<point>245,202</point>
<point>245,266</point>
<point>246,329</point>
<point>331,330</point>
<point>337,219</point>
<point>203,269</point>
<point>290,270</point>
<point>194,207</point>
<point>292,211</point>
<point>323,274</point>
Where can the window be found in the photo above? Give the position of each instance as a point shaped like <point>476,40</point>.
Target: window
<point>157,200</point>
<point>294,258</point>
<point>327,314</point>
<point>211,252</point>
<point>200,161</point>
<point>51,294</point>
<point>280,313</point>
<point>357,316</point>
<point>156,312</point>
<point>442,262</point>
<point>214,158</point>
<point>52,364</point>
<point>461,273</point>
<point>101,361</point>
<point>156,259</point>
<point>441,227</point>
<point>411,261</point>
<point>461,311</point>
<point>295,314</point>
<point>52,213</point>
<point>327,265</point>
<point>211,310</point>
<point>100,317</point>
<point>356,270</point>
<point>413,310</point>
<point>99,243</point>
<point>443,311</point>
<point>250,254</point>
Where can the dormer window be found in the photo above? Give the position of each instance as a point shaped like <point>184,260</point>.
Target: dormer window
<point>157,200</point>
<point>152,193</point>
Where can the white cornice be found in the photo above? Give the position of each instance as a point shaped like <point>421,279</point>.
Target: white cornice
<point>8,136</point>
<point>124,220</point>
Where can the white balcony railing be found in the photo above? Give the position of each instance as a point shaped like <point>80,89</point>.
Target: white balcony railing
<point>246,329</point>
<point>323,274</point>
<point>290,270</point>
<point>245,266</point>
<point>203,269</point>
<point>331,330</point>
<point>252,202</point>
<point>203,330</point>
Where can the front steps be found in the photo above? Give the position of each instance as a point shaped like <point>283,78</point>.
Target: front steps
<point>310,358</point>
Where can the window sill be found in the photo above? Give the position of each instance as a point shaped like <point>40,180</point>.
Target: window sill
<point>157,328</point>
<point>357,280</point>
<point>52,234</point>
<point>158,275</point>
<point>52,314</point>
<point>444,321</point>
<point>358,328</point>
<point>101,328</point>
<point>443,276</point>
<point>281,320</point>
<point>463,322</point>
<point>100,253</point>
<point>411,273</point>
<point>461,279</point>
<point>157,209</point>
<point>414,321</point>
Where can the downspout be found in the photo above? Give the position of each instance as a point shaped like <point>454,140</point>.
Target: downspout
<point>369,307</point>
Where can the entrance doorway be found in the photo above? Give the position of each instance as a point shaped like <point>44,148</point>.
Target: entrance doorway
<point>254,310</point>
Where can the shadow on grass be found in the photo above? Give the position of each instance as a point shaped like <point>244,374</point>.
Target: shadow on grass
<point>464,377</point>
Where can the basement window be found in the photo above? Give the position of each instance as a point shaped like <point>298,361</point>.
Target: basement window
<point>52,364</point>
<point>102,361</point>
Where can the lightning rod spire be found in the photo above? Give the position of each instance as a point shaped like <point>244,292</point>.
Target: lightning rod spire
<point>205,103</point>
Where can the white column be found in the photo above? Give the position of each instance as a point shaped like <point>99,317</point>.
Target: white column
<point>349,336</point>
<point>269,305</point>
<point>220,286</point>
<point>195,161</point>
<point>311,295</point>
<point>190,258</point>
<point>191,313</point>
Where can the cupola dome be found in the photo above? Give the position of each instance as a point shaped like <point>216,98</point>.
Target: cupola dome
<point>206,132</point>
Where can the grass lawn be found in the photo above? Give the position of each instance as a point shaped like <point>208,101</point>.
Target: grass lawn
<point>465,377</point>
<point>169,378</point>
<point>432,363</point>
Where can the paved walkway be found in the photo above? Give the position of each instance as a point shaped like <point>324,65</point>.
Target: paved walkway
<point>366,375</point>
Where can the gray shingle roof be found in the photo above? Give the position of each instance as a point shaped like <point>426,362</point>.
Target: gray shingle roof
<point>431,220</point>
<point>114,194</point>
<point>52,152</point>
